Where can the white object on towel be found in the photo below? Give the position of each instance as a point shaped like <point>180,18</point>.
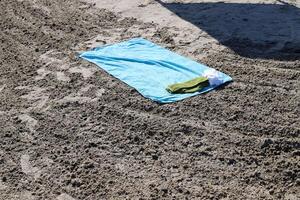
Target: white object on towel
<point>214,77</point>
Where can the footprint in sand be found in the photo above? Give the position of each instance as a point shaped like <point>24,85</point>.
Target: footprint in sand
<point>85,72</point>
<point>64,197</point>
<point>36,95</point>
<point>30,122</point>
<point>50,61</point>
<point>85,89</point>
<point>28,169</point>
<point>48,58</point>
<point>42,73</point>
<point>62,77</point>
<point>26,136</point>
<point>79,96</point>
<point>72,99</point>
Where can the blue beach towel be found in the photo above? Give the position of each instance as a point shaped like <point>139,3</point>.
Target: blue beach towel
<point>149,68</point>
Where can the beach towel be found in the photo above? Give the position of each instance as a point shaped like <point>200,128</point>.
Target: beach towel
<point>150,68</point>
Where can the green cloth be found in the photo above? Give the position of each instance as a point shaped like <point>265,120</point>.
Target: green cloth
<point>190,86</point>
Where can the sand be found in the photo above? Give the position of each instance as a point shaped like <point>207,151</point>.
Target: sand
<point>70,131</point>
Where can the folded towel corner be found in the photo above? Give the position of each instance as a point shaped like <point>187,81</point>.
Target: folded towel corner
<point>190,86</point>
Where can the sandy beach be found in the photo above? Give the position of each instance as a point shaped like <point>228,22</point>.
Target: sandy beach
<point>71,131</point>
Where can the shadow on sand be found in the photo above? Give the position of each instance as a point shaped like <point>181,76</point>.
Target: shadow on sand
<point>267,31</point>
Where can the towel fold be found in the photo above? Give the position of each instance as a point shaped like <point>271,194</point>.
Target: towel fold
<point>190,86</point>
